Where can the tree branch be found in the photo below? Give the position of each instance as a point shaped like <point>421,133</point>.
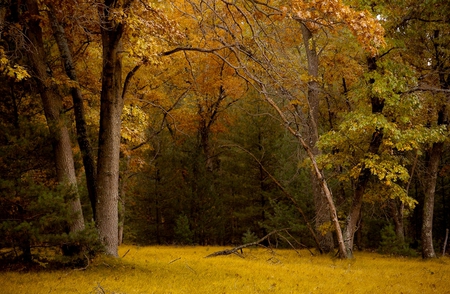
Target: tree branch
<point>236,249</point>
<point>204,50</point>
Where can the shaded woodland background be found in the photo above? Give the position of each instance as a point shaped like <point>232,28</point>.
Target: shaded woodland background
<point>206,104</point>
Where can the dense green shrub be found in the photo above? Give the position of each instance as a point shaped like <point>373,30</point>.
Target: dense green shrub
<point>183,233</point>
<point>391,244</point>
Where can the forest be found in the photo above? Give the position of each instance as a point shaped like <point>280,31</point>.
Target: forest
<point>218,122</point>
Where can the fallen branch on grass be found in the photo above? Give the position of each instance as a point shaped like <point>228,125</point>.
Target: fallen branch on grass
<point>239,248</point>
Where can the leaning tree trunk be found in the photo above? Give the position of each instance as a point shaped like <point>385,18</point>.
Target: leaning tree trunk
<point>317,172</point>
<point>80,120</point>
<point>111,105</point>
<point>322,211</point>
<point>65,168</point>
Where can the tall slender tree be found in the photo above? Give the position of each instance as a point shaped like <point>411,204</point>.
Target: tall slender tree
<point>79,109</point>
<point>52,103</point>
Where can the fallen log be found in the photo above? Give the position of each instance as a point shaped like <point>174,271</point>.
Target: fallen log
<point>239,248</point>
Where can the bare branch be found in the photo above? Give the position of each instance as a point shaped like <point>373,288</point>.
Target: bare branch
<point>238,248</point>
<point>204,50</point>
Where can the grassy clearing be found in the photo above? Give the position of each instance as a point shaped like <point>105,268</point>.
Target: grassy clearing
<point>185,270</point>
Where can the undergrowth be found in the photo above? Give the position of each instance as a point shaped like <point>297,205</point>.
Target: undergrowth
<point>186,270</point>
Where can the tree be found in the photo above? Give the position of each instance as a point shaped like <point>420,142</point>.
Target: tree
<point>261,42</point>
<point>112,30</point>
<point>53,111</point>
<point>418,37</point>
<point>79,109</point>
<point>428,34</point>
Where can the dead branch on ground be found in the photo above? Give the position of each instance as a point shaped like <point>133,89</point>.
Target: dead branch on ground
<point>239,248</point>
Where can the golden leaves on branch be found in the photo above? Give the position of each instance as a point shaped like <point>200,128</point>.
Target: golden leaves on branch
<point>316,14</point>
<point>148,30</point>
<point>13,71</point>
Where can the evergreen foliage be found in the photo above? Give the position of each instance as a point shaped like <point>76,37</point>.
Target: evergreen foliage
<point>249,237</point>
<point>391,244</point>
<point>204,159</point>
<point>183,234</point>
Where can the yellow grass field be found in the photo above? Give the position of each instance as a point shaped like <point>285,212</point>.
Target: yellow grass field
<point>186,270</point>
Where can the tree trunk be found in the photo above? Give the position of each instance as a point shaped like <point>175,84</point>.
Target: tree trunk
<point>109,134</point>
<point>124,176</point>
<point>397,218</point>
<point>428,202</point>
<point>354,215</point>
<point>82,135</point>
<point>317,172</point>
<point>322,211</point>
<point>65,168</point>
<point>435,153</point>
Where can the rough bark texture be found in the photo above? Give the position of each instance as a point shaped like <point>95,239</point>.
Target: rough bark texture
<point>65,168</point>
<point>428,202</point>
<point>80,120</point>
<point>322,212</point>
<point>109,135</point>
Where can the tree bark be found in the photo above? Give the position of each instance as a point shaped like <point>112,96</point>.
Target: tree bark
<point>77,97</point>
<point>111,105</point>
<point>322,211</point>
<point>428,202</point>
<point>65,168</point>
<point>123,181</point>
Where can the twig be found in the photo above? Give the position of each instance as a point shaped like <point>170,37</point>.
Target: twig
<point>100,289</point>
<point>175,260</point>
<point>302,245</point>
<point>126,253</point>
<point>88,264</point>
<point>285,239</point>
<point>190,268</point>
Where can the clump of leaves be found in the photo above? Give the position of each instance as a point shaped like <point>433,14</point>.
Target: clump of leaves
<point>391,244</point>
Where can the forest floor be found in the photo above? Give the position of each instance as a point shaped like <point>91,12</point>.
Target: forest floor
<point>159,269</point>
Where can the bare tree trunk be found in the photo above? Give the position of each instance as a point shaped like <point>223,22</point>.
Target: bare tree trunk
<point>65,168</point>
<point>428,202</point>
<point>124,176</point>
<point>318,173</point>
<point>320,203</point>
<point>397,217</point>
<point>109,134</point>
<point>82,135</point>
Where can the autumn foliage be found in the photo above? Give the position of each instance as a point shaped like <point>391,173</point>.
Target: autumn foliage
<point>200,121</point>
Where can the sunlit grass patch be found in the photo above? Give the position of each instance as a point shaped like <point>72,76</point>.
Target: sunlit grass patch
<point>186,270</point>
